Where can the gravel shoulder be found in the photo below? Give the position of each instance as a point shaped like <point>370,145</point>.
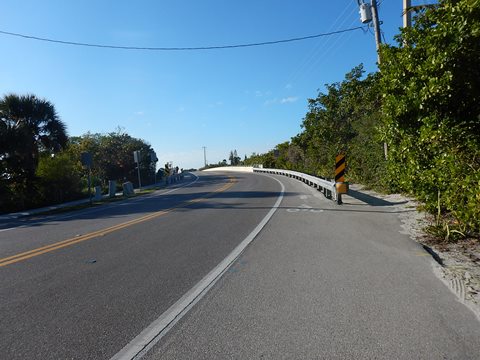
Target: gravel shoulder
<point>458,263</point>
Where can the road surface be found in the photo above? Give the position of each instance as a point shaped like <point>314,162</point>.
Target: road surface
<point>319,280</point>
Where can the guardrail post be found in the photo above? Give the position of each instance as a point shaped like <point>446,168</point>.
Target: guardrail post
<point>339,199</point>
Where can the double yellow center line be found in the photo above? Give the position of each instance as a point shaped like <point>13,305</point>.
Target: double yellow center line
<point>68,242</point>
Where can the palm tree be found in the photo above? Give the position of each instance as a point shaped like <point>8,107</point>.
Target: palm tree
<point>28,126</point>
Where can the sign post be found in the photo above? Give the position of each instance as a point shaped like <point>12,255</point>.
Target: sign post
<point>136,159</point>
<point>153,160</point>
<point>86,159</point>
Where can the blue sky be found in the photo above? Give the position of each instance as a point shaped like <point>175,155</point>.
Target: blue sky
<point>248,99</point>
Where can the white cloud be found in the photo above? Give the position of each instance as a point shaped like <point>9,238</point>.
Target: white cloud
<point>286,100</point>
<point>289,99</point>
<point>259,93</point>
<point>270,101</point>
<point>288,86</point>
<point>140,113</point>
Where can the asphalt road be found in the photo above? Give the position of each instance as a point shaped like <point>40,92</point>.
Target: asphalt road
<point>88,299</point>
<point>319,281</point>
<point>323,281</point>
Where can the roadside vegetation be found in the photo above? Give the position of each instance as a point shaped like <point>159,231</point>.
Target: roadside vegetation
<point>40,165</point>
<point>423,107</point>
<point>234,159</point>
<point>412,127</point>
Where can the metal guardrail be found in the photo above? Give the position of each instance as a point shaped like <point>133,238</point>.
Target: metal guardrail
<point>328,188</point>
<point>170,179</point>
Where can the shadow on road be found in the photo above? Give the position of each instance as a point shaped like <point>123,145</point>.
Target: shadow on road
<point>195,197</point>
<point>372,200</point>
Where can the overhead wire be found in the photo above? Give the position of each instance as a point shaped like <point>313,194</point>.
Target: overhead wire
<point>324,48</point>
<point>333,49</point>
<point>383,37</point>
<point>329,48</point>
<point>314,51</point>
<point>341,42</point>
<point>218,47</point>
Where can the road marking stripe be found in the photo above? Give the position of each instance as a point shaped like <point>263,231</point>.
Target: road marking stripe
<point>68,242</point>
<point>143,342</point>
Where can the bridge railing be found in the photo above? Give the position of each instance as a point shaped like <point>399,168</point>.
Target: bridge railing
<point>329,188</point>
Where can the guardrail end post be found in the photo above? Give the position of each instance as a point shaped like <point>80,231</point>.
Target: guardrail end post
<point>339,199</point>
<point>341,188</point>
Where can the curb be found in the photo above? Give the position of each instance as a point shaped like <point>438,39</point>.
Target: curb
<point>26,213</point>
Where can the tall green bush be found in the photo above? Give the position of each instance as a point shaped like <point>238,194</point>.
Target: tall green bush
<point>431,102</point>
<point>59,178</point>
<point>344,119</point>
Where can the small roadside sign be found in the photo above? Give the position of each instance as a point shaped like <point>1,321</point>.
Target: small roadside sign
<point>136,156</point>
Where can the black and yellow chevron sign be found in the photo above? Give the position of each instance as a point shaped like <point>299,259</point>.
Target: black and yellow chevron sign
<point>340,168</point>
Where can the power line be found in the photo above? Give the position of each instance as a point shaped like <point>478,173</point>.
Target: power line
<point>309,59</point>
<point>383,37</point>
<point>74,43</point>
<point>313,52</point>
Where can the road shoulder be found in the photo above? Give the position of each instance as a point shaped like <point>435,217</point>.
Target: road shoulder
<point>312,287</point>
<point>457,264</point>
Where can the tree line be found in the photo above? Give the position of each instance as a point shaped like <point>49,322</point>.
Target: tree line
<point>412,127</point>
<point>233,157</point>
<point>41,165</point>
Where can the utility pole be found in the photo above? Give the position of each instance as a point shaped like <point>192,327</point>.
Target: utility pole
<point>136,158</point>
<point>378,41</point>
<point>376,27</point>
<point>407,15</point>
<point>370,13</point>
<point>87,161</point>
<point>205,155</point>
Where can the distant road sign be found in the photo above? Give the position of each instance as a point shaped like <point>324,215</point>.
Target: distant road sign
<point>136,156</point>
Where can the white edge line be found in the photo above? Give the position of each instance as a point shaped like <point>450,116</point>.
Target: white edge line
<point>143,342</point>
